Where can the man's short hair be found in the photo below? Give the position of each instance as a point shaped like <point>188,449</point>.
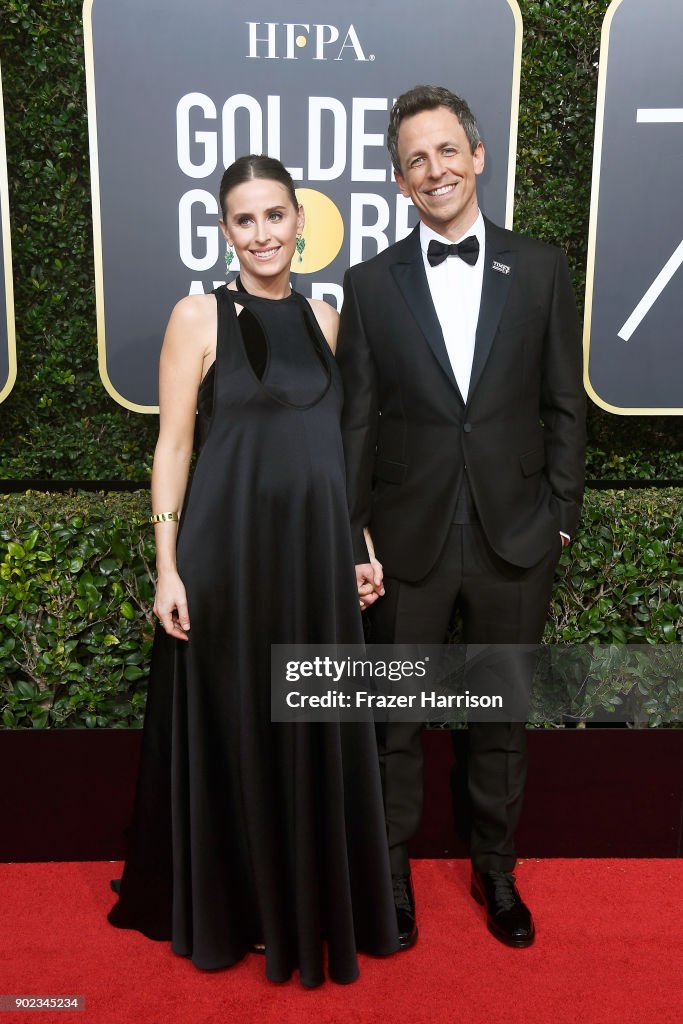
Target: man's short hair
<point>429,97</point>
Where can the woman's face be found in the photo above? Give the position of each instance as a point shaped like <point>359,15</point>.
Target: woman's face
<point>261,224</point>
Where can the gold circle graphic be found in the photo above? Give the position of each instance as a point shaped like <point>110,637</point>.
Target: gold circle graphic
<point>301,40</point>
<point>324,232</point>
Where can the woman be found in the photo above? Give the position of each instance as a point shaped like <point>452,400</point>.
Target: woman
<point>249,833</point>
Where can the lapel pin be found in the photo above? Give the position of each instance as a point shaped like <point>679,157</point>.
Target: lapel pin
<point>502,268</point>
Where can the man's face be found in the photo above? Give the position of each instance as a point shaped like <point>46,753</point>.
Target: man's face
<point>439,171</point>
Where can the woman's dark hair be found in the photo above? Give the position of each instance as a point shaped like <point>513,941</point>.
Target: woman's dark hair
<point>429,97</point>
<point>246,168</point>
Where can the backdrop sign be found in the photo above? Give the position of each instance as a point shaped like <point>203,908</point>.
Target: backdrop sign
<point>8,364</point>
<point>176,91</point>
<point>633,336</point>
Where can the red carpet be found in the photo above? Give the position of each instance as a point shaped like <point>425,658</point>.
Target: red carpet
<point>609,950</point>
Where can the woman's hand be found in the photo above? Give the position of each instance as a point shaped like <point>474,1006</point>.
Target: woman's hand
<point>369,575</point>
<point>369,578</point>
<point>170,605</point>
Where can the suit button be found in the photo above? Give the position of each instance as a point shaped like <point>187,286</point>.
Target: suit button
<point>467,428</point>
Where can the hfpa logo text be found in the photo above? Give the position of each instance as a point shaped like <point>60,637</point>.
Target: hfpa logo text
<point>273,40</point>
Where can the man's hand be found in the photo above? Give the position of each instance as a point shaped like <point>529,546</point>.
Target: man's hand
<point>369,577</point>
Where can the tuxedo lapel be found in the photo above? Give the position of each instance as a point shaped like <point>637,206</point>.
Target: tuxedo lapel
<point>411,279</point>
<point>494,292</point>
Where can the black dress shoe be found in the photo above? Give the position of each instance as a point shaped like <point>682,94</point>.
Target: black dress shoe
<point>508,917</point>
<point>404,901</point>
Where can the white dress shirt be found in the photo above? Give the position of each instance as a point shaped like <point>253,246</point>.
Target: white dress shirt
<point>456,293</point>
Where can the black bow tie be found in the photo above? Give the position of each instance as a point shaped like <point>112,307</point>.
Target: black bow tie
<point>467,250</point>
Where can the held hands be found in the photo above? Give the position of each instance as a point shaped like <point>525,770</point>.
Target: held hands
<point>170,605</point>
<point>369,577</point>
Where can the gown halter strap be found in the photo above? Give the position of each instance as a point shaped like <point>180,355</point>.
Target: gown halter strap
<point>280,343</point>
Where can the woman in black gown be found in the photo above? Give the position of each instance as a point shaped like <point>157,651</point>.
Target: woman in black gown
<point>246,833</point>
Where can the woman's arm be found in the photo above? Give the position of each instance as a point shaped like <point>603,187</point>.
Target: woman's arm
<point>188,350</point>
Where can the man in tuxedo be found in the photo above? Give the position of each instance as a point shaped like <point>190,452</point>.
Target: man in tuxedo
<point>463,426</point>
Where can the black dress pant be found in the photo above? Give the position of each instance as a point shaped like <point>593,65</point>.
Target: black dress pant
<point>499,604</point>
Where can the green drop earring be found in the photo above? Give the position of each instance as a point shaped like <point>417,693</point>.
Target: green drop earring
<point>229,257</point>
<point>300,246</point>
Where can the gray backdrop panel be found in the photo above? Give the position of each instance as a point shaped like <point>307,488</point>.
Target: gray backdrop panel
<point>640,212</point>
<point>148,56</point>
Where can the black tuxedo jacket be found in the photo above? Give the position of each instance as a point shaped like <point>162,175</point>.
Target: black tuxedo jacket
<point>408,435</point>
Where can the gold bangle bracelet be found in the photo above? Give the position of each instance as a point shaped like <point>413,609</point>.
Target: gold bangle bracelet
<point>164,517</point>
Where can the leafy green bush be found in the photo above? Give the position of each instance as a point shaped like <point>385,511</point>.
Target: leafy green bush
<point>635,464</point>
<point>621,580</point>
<point>75,609</point>
<point>620,583</point>
<point>76,595</point>
<point>59,422</point>
<point>632,683</point>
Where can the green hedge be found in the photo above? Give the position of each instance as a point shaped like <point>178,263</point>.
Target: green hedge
<point>76,594</point>
<point>59,423</point>
<point>75,609</point>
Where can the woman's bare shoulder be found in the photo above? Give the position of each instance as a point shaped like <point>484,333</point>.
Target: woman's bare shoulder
<point>191,330</point>
<point>194,310</point>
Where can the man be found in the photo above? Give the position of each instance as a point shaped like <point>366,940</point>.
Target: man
<point>463,425</point>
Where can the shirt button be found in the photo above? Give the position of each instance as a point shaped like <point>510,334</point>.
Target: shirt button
<point>467,428</point>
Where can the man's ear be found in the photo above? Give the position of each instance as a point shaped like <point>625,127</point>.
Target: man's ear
<point>479,158</point>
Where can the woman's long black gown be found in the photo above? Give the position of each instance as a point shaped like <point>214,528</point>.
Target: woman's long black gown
<point>247,831</point>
